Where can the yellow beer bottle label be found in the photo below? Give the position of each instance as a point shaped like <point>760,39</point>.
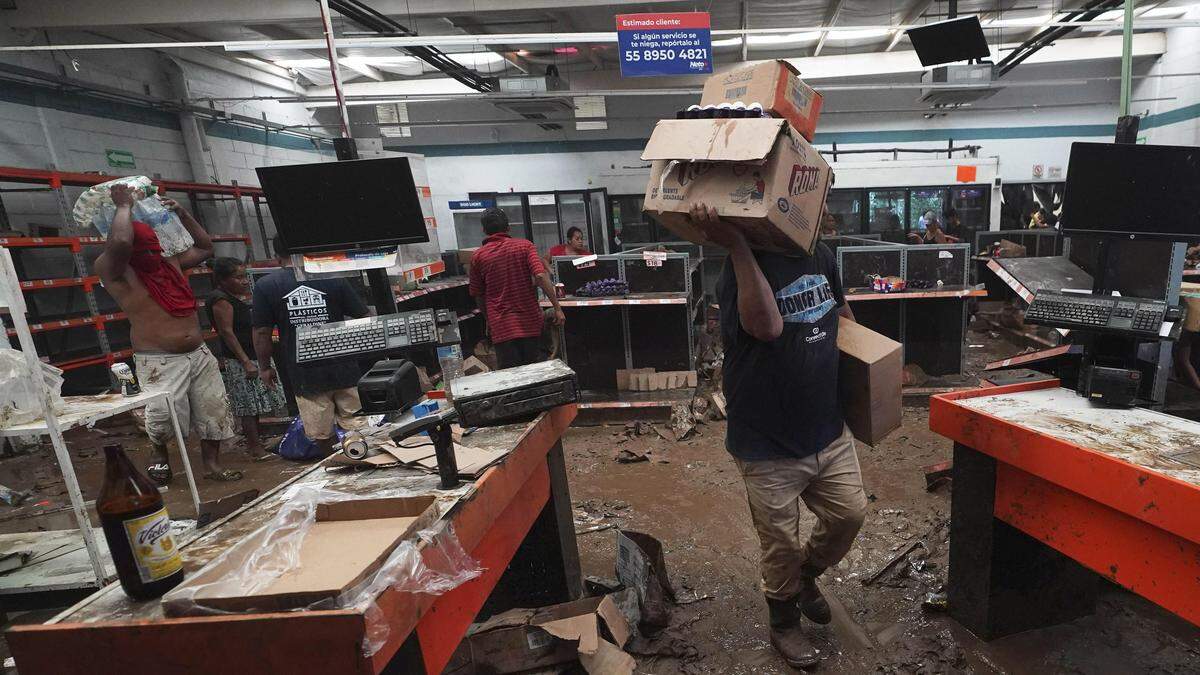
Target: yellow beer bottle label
<point>153,546</point>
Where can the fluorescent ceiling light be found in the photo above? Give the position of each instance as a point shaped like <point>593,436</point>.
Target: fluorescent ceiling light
<point>728,42</point>
<point>1023,21</point>
<point>785,39</point>
<point>865,34</point>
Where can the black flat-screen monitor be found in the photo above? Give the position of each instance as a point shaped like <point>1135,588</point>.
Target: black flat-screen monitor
<point>333,206</point>
<point>949,41</point>
<point>1143,191</point>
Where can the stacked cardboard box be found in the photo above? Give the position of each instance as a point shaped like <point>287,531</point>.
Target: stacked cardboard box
<point>760,173</point>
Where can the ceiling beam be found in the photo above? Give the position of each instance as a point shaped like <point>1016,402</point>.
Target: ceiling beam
<point>831,13</point>
<point>918,8</point>
<point>92,14</point>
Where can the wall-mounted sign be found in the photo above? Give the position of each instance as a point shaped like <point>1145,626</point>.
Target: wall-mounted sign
<point>651,45</point>
<point>472,204</point>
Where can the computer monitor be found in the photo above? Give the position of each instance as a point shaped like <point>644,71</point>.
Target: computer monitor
<point>949,41</point>
<point>1133,191</point>
<point>332,206</point>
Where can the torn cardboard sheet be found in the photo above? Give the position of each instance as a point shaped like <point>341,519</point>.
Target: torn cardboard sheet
<point>523,640</point>
<point>642,567</point>
<point>418,453</point>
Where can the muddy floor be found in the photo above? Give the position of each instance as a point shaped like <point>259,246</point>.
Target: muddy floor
<point>690,496</point>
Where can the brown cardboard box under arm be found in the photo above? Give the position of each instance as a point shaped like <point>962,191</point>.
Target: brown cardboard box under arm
<point>757,173</point>
<point>776,85</point>
<point>869,374</point>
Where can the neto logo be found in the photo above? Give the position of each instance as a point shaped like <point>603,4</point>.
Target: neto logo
<point>803,179</point>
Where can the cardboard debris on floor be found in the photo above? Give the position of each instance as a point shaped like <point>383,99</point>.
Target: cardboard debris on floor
<point>592,631</point>
<point>642,567</point>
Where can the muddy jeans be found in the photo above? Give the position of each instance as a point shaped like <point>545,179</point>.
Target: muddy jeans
<point>831,487</point>
<point>195,383</point>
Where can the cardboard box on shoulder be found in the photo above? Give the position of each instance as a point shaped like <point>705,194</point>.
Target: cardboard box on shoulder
<point>869,380</point>
<point>756,172</point>
<point>776,85</point>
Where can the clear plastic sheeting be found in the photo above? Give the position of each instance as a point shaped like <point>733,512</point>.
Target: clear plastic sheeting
<point>20,396</point>
<point>433,563</point>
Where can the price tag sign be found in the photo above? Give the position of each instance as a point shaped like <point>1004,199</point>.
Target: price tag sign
<point>654,258</point>
<point>653,45</point>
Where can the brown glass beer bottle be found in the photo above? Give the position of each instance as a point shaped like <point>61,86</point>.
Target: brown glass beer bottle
<point>137,528</point>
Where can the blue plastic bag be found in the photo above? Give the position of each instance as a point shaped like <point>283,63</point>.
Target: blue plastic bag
<point>296,445</point>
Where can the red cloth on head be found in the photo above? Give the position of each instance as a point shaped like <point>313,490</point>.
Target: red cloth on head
<point>165,283</point>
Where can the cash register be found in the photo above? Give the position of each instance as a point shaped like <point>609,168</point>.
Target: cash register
<point>1118,194</point>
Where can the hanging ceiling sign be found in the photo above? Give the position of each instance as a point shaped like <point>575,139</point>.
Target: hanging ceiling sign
<point>653,45</point>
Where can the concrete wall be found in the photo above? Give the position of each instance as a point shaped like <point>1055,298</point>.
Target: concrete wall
<point>1175,121</point>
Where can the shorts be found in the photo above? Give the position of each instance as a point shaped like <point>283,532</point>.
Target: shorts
<point>319,411</point>
<point>194,382</point>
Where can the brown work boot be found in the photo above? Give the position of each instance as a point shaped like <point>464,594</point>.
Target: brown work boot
<point>811,602</point>
<point>787,636</point>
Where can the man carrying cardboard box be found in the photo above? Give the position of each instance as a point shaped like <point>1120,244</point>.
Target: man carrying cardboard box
<point>779,323</point>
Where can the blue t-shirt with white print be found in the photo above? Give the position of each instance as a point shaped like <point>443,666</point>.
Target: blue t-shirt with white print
<point>782,395</point>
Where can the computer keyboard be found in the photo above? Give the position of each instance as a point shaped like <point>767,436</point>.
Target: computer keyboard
<point>424,327</point>
<point>1099,313</point>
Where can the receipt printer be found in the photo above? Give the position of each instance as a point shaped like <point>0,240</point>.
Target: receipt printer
<point>392,385</point>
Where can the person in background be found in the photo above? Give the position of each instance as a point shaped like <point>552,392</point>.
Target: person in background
<point>168,350</point>
<point>326,391</point>
<point>952,224</point>
<point>933,233</point>
<point>503,273</point>
<point>829,226</point>
<point>925,219</point>
<point>228,310</point>
<point>779,323</point>
<point>574,246</point>
<point>1039,220</point>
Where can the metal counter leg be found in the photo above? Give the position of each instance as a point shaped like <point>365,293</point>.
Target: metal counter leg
<point>560,502</point>
<point>187,464</point>
<point>1001,580</point>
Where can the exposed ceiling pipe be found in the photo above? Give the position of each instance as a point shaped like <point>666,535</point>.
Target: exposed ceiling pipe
<point>1046,37</point>
<point>331,50</point>
<point>368,18</point>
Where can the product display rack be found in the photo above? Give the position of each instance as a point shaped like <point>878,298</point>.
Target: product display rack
<point>81,277</point>
<point>656,319</point>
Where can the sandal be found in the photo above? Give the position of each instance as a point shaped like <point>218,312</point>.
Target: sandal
<point>159,473</point>
<point>224,475</point>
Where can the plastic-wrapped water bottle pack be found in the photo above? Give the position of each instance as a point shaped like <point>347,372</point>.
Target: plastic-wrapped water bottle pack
<point>95,208</point>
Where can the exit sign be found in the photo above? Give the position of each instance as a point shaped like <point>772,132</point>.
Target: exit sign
<point>119,159</point>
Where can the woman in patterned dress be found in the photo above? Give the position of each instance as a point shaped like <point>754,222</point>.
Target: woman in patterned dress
<point>228,310</point>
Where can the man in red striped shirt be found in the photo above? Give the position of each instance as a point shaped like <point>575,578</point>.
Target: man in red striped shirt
<point>503,273</point>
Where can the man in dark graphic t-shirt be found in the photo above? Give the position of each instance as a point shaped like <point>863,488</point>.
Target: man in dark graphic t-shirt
<point>779,324</point>
<point>326,391</point>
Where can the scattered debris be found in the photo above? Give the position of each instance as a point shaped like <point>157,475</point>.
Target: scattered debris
<point>641,566</point>
<point>597,528</point>
<point>682,422</point>
<point>14,497</point>
<point>935,602</point>
<point>892,563</point>
<point>629,456</point>
<point>937,474</point>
